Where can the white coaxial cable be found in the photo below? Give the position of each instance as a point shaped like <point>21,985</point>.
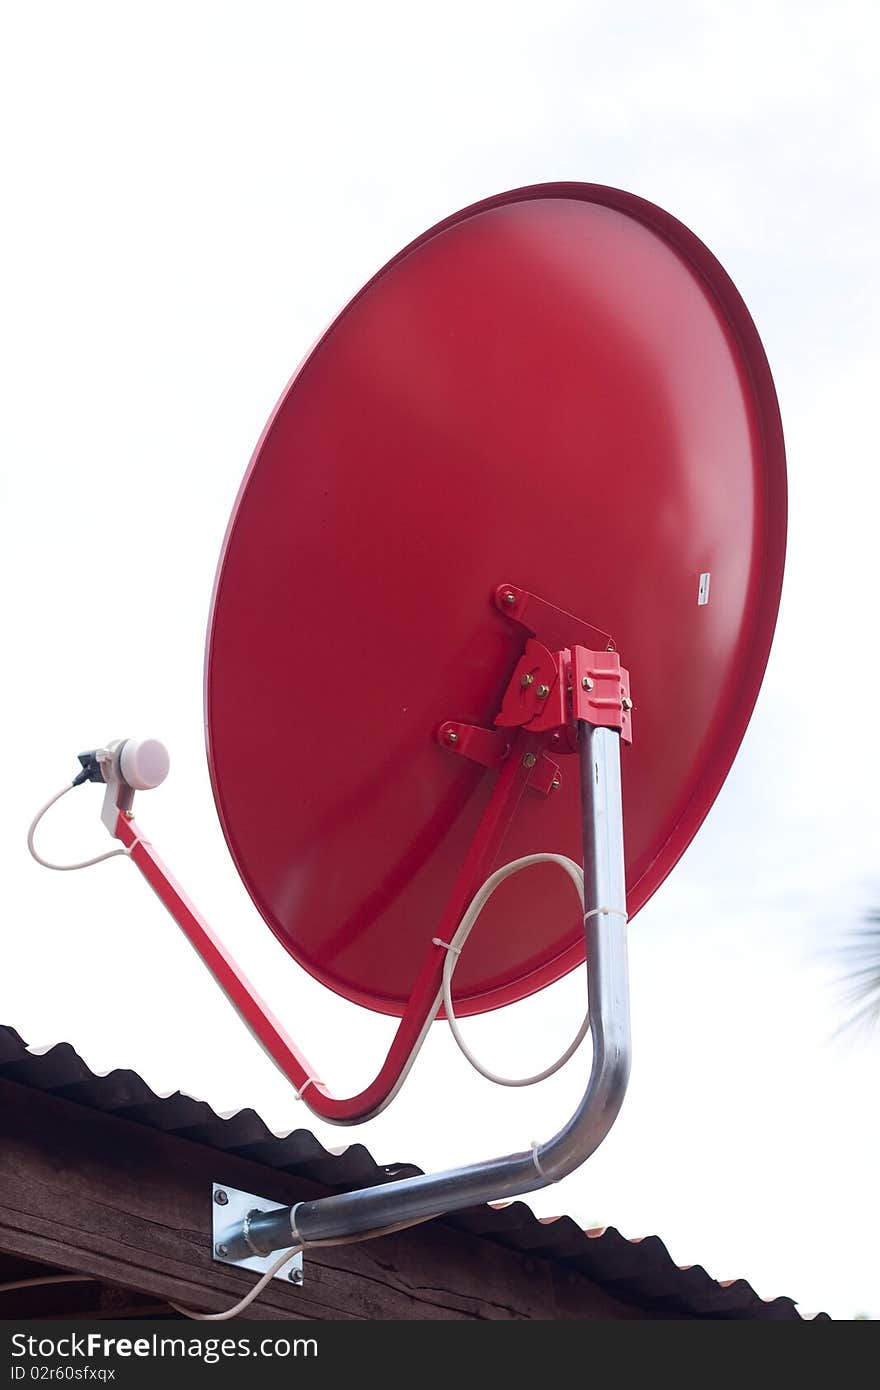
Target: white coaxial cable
<point>64,868</point>
<point>456,945</point>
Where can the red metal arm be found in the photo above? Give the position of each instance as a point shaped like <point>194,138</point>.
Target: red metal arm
<point>423,1002</point>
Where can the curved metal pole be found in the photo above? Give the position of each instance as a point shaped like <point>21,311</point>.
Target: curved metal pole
<point>412,1199</point>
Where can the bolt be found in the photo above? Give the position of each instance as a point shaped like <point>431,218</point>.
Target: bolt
<point>529,760</point>
<point>509,597</point>
<point>220,1197</point>
<point>542,692</point>
<point>627,703</point>
<point>587,683</point>
<point>526,680</point>
<point>451,736</point>
<point>295,1276</point>
<point>222,1251</point>
<point>555,784</point>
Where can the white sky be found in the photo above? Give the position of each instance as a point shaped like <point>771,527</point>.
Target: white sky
<point>191,192</point>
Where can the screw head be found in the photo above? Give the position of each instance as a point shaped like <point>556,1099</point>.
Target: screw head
<point>627,703</point>
<point>221,1197</point>
<point>587,683</point>
<point>529,760</point>
<point>221,1250</point>
<point>451,736</point>
<point>555,784</point>
<point>509,597</point>
<point>542,692</point>
<point>295,1276</point>
<point>527,679</point>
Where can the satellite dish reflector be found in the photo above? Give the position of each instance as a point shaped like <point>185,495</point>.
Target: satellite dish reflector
<point>558,390</point>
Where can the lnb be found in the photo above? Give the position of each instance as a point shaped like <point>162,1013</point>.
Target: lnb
<point>140,764</point>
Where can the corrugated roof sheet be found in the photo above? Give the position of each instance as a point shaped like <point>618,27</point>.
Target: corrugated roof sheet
<point>640,1271</point>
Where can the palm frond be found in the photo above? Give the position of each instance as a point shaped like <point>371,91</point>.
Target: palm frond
<point>860,982</point>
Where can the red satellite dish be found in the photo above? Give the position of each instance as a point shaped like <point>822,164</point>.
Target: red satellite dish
<point>525,499</point>
<point>557,391</point>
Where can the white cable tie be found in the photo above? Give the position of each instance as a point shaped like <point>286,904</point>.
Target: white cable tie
<point>537,1163</point>
<point>447,945</point>
<point>312,1081</point>
<point>609,911</point>
<point>246,1234</point>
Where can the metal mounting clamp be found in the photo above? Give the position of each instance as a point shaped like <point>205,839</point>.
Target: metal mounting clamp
<point>231,1212</point>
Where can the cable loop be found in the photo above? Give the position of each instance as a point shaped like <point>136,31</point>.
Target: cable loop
<point>456,945</point>
<point>66,868</point>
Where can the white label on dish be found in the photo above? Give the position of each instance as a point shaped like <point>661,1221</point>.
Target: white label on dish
<point>703,590</point>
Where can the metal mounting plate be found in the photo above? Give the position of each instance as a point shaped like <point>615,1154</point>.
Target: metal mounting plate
<point>228,1216</point>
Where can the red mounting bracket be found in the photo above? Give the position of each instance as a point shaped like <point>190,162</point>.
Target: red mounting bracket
<point>550,691</point>
<point>554,685</point>
<point>551,625</point>
<point>490,748</point>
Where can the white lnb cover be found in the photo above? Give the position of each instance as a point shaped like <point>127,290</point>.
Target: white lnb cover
<point>144,764</point>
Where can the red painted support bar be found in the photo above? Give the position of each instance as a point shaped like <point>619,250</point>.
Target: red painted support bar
<point>423,1002</point>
